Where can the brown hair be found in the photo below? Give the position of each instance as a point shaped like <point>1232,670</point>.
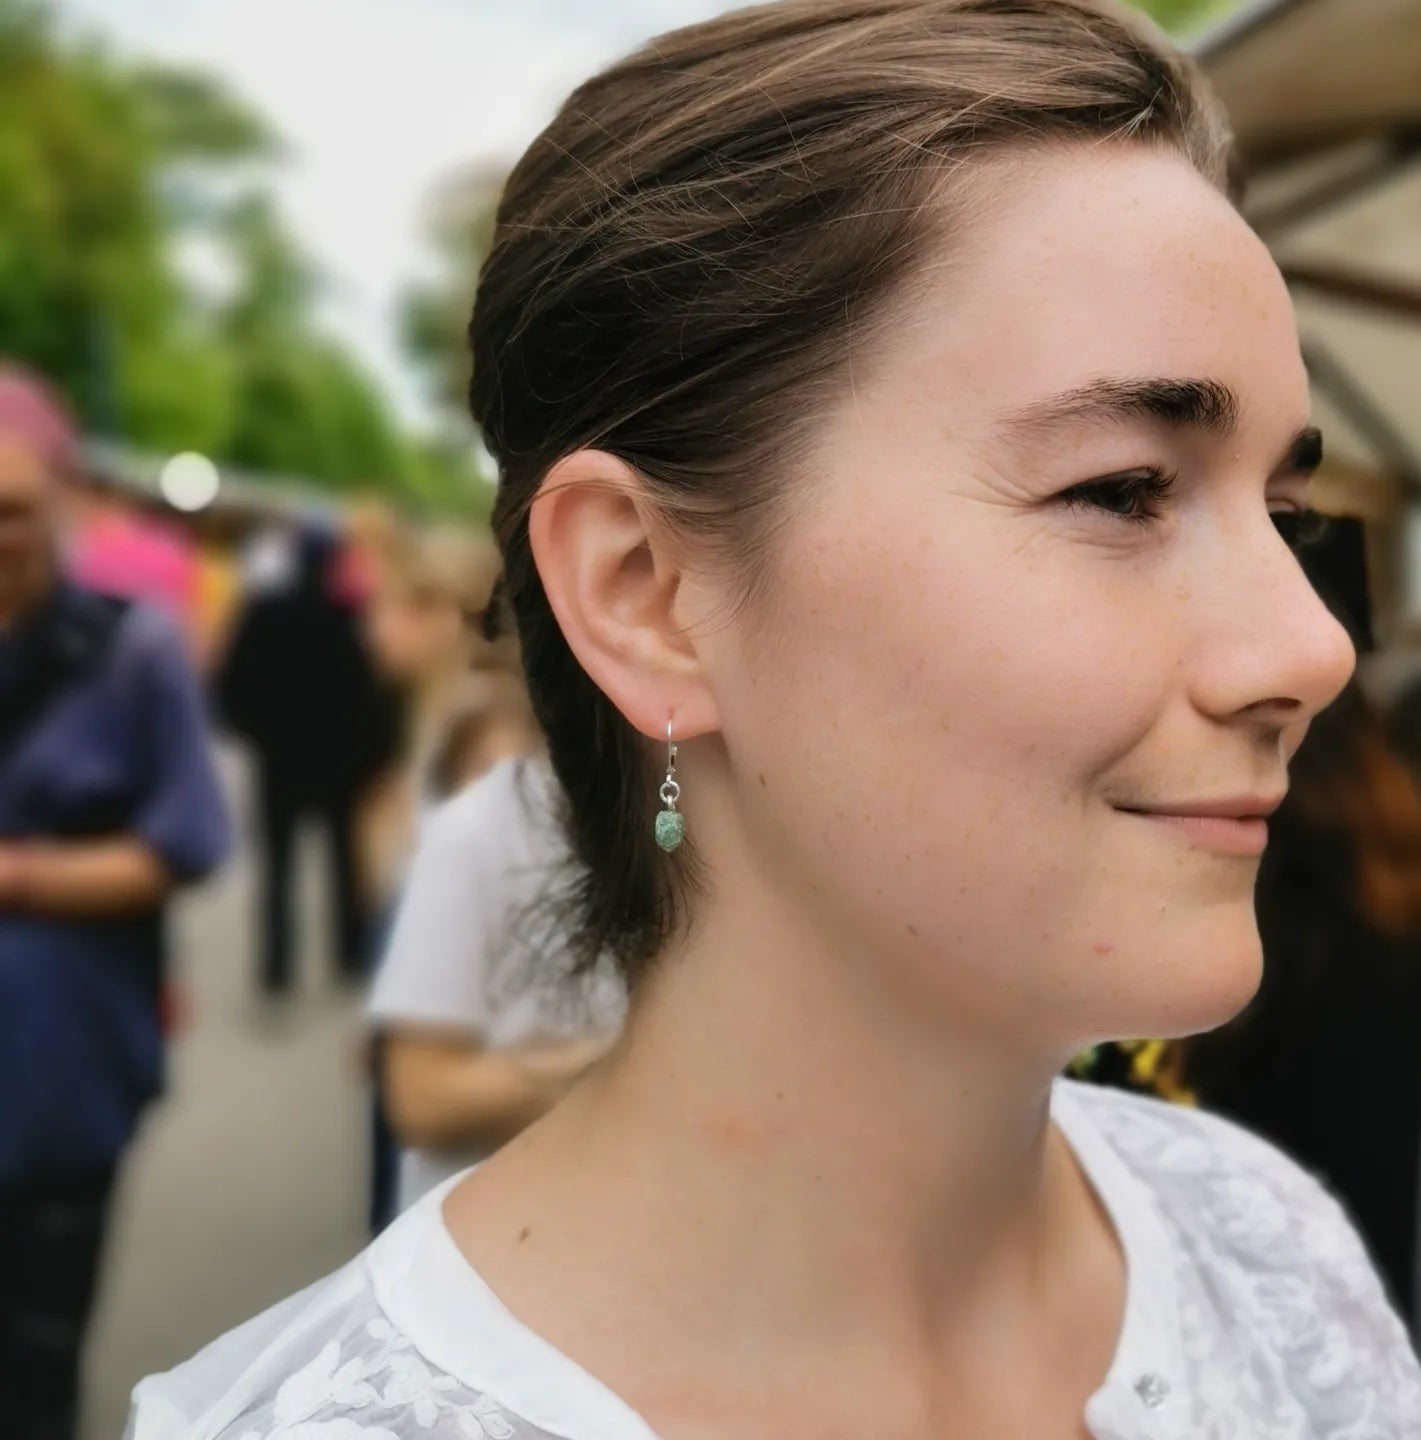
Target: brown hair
<point>685,258</point>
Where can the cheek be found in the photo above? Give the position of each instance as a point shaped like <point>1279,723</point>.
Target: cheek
<point>397,637</point>
<point>956,664</point>
<point>940,719</point>
<point>425,641</point>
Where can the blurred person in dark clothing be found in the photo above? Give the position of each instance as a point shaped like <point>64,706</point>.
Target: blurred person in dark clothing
<point>108,801</point>
<point>1326,1062</point>
<point>299,686</point>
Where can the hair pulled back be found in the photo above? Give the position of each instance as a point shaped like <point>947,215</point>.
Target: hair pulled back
<point>683,262</point>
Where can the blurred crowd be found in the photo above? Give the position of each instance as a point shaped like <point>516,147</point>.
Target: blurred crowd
<point>358,658</point>
<point>344,651</point>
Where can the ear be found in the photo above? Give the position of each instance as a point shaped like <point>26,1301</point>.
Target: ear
<point>620,594</point>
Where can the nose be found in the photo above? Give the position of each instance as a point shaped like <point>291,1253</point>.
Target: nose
<point>1268,650</point>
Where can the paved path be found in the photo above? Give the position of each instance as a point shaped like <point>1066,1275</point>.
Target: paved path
<point>249,1180</point>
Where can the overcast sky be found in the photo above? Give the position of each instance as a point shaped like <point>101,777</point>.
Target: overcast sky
<point>378,99</point>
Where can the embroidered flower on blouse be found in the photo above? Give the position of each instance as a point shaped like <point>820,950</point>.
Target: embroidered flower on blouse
<point>485,1421</point>
<point>393,1382</point>
<point>413,1384</point>
<point>323,1381</point>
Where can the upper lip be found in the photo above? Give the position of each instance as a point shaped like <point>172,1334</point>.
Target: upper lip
<point>1233,807</point>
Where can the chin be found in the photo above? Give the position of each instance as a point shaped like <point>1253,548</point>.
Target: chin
<point>1207,984</point>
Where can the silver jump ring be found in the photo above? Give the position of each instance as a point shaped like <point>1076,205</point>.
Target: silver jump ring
<point>670,824</point>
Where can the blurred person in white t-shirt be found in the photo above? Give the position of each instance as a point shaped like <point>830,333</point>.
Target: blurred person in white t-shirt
<point>475,1031</point>
<point>480,1027</point>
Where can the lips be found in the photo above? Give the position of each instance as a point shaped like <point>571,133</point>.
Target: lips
<point>1239,807</point>
<point>1237,825</point>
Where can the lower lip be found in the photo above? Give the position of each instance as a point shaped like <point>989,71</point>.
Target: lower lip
<point>1215,832</point>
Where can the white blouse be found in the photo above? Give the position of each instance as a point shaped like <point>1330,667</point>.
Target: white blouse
<point>1252,1313</point>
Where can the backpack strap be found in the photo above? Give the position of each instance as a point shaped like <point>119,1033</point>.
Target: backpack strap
<point>72,633</point>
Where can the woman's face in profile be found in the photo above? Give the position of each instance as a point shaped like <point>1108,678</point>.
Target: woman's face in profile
<point>1032,598</point>
<point>27,502</point>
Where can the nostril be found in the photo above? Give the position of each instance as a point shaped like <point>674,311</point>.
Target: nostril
<point>1280,710</point>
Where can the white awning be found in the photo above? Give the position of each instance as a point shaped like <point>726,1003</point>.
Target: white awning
<point>1301,75</point>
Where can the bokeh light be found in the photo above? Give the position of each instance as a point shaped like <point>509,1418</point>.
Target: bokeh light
<point>189,481</point>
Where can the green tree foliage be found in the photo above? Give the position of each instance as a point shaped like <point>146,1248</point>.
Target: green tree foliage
<point>1184,17</point>
<point>81,271</point>
<point>190,118</point>
<point>106,169</point>
<point>435,314</point>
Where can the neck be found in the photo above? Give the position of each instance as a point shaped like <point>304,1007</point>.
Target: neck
<point>908,1154</point>
<point>436,689</point>
<point>772,1124</point>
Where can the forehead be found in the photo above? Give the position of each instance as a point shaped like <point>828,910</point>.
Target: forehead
<point>1109,261</point>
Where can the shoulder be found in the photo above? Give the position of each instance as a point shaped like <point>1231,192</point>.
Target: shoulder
<point>326,1361</point>
<point>253,1366</point>
<point>1207,1172</point>
<point>1166,1143</point>
<point>148,637</point>
<point>504,817</point>
<point>1262,1238</point>
<point>522,787</point>
<point>132,642</point>
<point>477,869</point>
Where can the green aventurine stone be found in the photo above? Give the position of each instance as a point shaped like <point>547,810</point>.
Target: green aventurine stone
<point>670,829</point>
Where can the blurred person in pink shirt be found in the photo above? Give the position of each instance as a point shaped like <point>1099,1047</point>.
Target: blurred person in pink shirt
<point>117,549</point>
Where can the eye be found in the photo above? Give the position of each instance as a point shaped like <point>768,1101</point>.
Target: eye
<point>1302,529</point>
<point>1137,497</point>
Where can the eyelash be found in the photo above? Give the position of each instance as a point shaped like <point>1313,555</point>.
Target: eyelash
<point>1148,491</point>
<point>1150,488</point>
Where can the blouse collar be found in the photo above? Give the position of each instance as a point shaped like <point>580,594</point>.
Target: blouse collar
<point>430,1292</point>
<point>1146,1390</point>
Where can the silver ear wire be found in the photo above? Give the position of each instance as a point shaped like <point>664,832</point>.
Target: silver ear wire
<point>670,823</point>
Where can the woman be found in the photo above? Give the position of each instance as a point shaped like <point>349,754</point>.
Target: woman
<point>465,708</point>
<point>476,1039</point>
<point>889,401</point>
<point>424,630</point>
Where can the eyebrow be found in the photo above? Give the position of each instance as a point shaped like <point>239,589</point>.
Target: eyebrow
<point>1205,405</point>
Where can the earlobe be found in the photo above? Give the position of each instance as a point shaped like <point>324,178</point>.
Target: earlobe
<point>611,578</point>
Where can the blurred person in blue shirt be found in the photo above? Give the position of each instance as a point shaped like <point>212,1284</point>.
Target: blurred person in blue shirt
<point>108,802</point>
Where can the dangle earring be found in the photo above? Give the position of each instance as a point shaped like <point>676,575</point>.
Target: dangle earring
<point>670,823</point>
